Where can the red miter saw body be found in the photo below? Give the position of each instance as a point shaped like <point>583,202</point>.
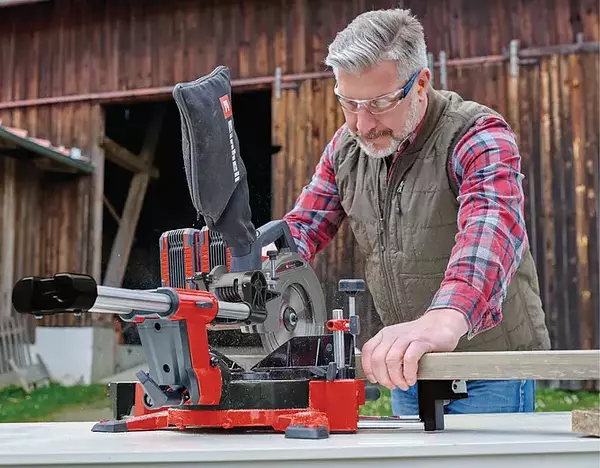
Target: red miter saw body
<point>305,388</point>
<point>281,392</point>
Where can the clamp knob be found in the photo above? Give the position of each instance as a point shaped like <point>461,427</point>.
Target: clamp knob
<point>351,286</point>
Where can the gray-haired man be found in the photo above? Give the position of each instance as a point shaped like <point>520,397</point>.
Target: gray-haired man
<point>431,187</point>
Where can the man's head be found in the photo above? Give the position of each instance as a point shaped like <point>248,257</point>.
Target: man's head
<point>380,65</point>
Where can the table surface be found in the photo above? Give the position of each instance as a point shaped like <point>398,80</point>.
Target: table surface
<point>73,444</point>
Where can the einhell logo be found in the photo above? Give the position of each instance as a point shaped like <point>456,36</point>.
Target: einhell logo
<point>226,105</point>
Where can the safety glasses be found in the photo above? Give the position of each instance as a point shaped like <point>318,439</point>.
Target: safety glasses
<point>380,104</point>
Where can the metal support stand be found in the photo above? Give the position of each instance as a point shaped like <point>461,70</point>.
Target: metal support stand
<point>432,395</point>
<point>122,396</point>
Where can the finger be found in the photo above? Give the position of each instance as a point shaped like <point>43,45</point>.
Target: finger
<point>395,363</point>
<point>366,355</point>
<point>379,364</point>
<point>413,354</point>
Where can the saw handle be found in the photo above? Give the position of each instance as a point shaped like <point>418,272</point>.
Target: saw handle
<point>277,232</point>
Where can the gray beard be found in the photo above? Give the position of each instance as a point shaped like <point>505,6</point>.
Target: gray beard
<point>411,123</point>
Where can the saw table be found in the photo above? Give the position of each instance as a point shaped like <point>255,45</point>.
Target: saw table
<point>497,440</point>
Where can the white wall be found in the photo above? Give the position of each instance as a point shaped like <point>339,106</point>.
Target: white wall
<point>76,354</point>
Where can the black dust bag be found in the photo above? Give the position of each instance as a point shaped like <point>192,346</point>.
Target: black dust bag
<point>215,172</point>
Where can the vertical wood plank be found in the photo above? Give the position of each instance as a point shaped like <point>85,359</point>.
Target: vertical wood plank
<point>579,168</point>
<point>548,206</point>
<point>7,246</point>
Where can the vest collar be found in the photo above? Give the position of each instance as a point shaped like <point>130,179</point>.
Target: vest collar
<point>436,103</point>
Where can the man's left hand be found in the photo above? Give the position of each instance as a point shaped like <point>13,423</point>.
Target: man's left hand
<point>392,356</point>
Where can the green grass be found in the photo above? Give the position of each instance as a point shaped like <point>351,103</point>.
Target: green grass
<point>547,400</point>
<point>40,404</point>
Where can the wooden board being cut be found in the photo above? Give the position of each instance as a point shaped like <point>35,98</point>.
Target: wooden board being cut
<point>586,421</point>
<point>538,365</point>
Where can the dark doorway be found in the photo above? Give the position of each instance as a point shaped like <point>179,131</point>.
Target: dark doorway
<point>167,204</point>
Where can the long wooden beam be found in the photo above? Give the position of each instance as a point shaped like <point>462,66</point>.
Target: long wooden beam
<point>119,255</point>
<point>126,159</point>
<point>509,365</point>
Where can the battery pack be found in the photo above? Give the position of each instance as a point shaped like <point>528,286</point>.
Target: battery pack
<point>186,252</point>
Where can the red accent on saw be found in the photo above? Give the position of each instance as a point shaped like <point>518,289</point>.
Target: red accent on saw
<point>338,325</point>
<point>332,404</point>
<point>205,252</point>
<point>164,260</point>
<point>197,309</point>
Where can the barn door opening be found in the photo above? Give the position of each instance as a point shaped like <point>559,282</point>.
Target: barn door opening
<point>165,201</point>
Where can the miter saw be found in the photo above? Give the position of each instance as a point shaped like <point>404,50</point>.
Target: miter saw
<point>218,277</point>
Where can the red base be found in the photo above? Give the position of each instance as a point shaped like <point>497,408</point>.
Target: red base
<point>332,405</point>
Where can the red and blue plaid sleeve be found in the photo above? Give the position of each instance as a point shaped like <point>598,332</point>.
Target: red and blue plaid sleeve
<point>492,236</point>
<point>317,214</point>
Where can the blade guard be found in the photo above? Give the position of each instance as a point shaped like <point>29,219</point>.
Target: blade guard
<point>215,172</point>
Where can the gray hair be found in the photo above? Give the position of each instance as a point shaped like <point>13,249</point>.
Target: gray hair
<point>375,36</point>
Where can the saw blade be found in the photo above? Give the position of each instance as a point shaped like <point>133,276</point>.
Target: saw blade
<point>298,312</point>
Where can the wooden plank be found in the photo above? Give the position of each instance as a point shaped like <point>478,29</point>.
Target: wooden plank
<point>119,255</point>
<point>125,158</point>
<point>7,244</point>
<point>538,365</point>
<point>586,421</point>
<point>578,118</point>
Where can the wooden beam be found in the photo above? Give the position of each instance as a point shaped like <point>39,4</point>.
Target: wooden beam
<point>96,212</point>
<point>510,365</point>
<point>586,421</point>
<point>8,211</point>
<point>111,209</point>
<point>126,159</point>
<point>119,255</point>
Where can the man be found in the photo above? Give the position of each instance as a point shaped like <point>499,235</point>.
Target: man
<point>431,187</point>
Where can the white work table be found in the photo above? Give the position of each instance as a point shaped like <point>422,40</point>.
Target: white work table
<point>500,440</point>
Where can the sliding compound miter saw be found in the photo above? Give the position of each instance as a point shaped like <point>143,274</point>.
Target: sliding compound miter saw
<point>218,278</point>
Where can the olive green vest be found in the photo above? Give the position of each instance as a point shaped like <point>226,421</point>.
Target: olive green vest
<point>406,227</point>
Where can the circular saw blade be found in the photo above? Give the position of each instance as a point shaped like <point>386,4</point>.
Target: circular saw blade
<point>298,310</point>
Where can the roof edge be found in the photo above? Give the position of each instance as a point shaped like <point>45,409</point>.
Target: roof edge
<point>30,144</point>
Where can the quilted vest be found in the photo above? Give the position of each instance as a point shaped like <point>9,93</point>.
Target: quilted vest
<point>405,228</point>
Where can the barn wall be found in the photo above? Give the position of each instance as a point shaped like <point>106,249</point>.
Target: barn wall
<point>69,48</point>
<point>55,213</point>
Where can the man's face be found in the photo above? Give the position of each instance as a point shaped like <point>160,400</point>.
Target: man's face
<point>380,134</point>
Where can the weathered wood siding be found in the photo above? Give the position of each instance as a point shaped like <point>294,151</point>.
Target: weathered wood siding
<point>44,227</point>
<point>70,48</point>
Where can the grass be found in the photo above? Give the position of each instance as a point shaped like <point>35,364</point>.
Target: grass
<point>44,402</point>
<point>547,400</point>
<point>40,404</point>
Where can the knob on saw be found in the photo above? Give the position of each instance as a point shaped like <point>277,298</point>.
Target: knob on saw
<point>351,286</point>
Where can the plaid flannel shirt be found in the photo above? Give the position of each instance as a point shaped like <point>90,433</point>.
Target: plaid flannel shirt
<point>492,235</point>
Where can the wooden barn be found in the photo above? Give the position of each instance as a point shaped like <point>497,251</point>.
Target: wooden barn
<point>90,151</point>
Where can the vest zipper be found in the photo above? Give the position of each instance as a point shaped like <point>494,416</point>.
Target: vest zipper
<point>383,211</point>
<point>399,197</point>
<point>381,220</point>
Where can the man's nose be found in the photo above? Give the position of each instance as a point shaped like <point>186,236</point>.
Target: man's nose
<point>365,121</point>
